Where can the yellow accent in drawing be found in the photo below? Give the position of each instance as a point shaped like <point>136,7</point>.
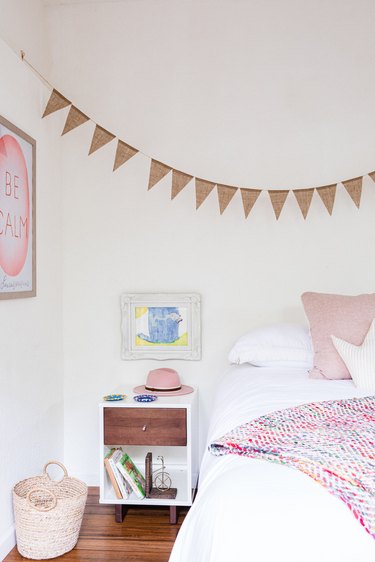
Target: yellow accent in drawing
<point>140,311</point>
<point>182,341</point>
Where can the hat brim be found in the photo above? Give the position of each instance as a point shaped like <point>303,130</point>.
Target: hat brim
<point>183,390</point>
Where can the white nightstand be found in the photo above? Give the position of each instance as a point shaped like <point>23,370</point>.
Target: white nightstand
<point>167,427</point>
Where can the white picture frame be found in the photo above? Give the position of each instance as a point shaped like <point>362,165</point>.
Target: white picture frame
<point>17,212</point>
<point>160,326</point>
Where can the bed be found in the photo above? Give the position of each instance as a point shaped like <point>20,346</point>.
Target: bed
<point>258,511</point>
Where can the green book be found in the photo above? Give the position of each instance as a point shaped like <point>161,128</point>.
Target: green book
<point>132,475</point>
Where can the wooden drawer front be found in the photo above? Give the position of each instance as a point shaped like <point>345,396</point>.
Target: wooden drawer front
<point>141,426</point>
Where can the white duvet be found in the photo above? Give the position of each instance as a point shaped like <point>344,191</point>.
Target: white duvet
<point>256,511</point>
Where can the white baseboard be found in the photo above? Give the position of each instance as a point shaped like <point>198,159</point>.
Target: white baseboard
<point>7,542</point>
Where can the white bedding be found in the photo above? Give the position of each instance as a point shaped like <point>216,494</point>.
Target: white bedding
<point>256,511</point>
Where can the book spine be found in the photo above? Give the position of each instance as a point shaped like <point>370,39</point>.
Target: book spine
<point>119,479</point>
<point>136,489</point>
<point>113,479</point>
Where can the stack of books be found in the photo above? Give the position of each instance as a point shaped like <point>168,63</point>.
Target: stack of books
<point>124,475</point>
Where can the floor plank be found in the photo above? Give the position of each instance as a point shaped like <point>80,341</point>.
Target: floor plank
<point>144,536</point>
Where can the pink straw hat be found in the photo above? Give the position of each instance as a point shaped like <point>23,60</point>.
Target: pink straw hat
<point>163,382</point>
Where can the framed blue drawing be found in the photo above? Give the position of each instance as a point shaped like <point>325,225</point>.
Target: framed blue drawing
<point>160,326</point>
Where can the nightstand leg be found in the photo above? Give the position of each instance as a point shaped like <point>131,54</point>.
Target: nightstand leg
<point>120,512</point>
<point>173,514</point>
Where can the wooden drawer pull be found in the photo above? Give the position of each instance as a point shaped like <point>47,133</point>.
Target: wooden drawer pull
<point>144,428</point>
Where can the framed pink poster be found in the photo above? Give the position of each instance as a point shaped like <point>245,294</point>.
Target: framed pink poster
<point>17,213</point>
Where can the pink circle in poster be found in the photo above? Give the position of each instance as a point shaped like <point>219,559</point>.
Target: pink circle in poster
<point>14,206</point>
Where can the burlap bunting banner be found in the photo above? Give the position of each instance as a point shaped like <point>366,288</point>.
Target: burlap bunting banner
<point>225,195</point>
<point>327,194</point>
<point>123,153</point>
<point>304,197</point>
<point>157,172</point>
<point>100,138</point>
<point>249,197</point>
<point>179,181</point>
<point>278,197</point>
<point>75,119</point>
<point>202,190</point>
<point>56,102</point>
<point>354,188</point>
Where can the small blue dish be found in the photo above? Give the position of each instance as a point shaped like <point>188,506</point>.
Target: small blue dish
<point>145,397</point>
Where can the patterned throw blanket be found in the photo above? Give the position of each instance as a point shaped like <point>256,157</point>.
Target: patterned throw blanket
<point>333,442</point>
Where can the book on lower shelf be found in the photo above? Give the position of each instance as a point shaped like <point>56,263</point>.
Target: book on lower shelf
<point>132,475</point>
<point>120,485</point>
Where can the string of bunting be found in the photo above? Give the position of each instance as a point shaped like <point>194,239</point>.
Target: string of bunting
<point>203,188</point>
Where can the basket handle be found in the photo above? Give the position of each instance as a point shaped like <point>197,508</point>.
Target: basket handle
<point>58,464</point>
<point>44,490</point>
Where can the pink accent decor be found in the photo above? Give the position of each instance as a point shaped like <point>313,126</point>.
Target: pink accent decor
<point>163,379</point>
<point>346,317</point>
<point>15,221</point>
<point>163,382</point>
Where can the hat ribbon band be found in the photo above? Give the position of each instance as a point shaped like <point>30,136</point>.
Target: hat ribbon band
<point>163,389</point>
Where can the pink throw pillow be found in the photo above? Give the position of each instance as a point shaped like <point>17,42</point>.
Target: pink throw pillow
<point>346,317</point>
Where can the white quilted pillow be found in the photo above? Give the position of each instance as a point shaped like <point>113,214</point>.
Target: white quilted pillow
<point>359,359</point>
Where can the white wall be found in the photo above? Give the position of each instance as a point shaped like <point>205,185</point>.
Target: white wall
<point>23,27</point>
<point>250,93</point>
<point>31,376</point>
<point>275,94</point>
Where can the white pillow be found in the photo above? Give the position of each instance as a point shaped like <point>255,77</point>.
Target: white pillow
<point>278,345</point>
<point>359,359</point>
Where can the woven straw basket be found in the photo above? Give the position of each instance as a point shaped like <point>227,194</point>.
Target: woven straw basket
<point>48,514</point>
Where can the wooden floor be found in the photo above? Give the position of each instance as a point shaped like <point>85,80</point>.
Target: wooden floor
<point>144,536</point>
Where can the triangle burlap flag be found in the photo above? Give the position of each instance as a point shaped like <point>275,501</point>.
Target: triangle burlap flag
<point>56,101</point>
<point>202,190</point>
<point>123,153</point>
<point>100,138</point>
<point>179,181</point>
<point>278,197</point>
<point>354,188</point>
<point>327,194</point>
<point>157,172</point>
<point>304,197</point>
<point>372,175</point>
<point>225,195</point>
<point>249,196</point>
<point>75,119</point>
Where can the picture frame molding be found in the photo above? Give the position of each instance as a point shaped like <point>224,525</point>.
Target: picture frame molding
<point>191,301</point>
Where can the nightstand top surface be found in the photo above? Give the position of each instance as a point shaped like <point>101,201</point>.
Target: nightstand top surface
<point>160,402</point>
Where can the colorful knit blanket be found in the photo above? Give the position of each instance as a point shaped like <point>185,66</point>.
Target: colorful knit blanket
<point>333,442</point>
